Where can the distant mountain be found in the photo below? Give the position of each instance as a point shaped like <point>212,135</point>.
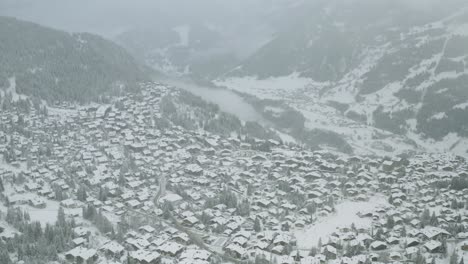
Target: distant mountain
<point>413,80</point>
<point>53,65</point>
<point>384,64</point>
<point>185,44</point>
<point>187,49</point>
<point>326,39</point>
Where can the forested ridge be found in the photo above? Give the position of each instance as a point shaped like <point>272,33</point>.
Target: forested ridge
<point>56,65</point>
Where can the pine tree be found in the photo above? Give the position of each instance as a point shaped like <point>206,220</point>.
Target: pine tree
<point>59,196</point>
<point>259,259</point>
<point>454,258</point>
<point>368,261</point>
<point>433,221</point>
<point>102,194</point>
<point>390,222</point>
<point>61,222</point>
<point>313,251</point>
<point>403,232</point>
<point>454,204</point>
<point>81,194</point>
<point>420,259</point>
<point>167,208</point>
<point>4,256</point>
<point>121,178</point>
<point>250,189</point>
<point>379,234</point>
<point>2,188</point>
<point>20,253</point>
<point>257,225</point>
<point>444,247</point>
<point>425,217</point>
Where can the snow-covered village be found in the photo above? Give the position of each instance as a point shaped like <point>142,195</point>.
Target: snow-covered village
<point>233,132</point>
<point>113,183</point>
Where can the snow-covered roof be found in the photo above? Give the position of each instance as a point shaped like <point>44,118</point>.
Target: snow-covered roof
<point>113,247</point>
<point>82,252</point>
<point>145,256</point>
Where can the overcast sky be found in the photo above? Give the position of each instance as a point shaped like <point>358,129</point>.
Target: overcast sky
<point>108,17</point>
<point>105,16</point>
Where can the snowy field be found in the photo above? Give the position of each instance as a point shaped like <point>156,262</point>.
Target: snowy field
<point>346,214</point>
<point>47,215</point>
<point>271,88</point>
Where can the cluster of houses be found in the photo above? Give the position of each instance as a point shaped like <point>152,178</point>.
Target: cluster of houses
<point>204,198</point>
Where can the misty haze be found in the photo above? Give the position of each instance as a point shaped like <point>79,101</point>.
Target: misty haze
<point>233,131</point>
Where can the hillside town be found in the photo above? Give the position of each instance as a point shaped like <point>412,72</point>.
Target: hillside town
<point>118,182</point>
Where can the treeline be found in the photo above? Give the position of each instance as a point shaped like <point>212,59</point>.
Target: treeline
<point>34,244</point>
<point>459,183</point>
<point>192,112</point>
<point>284,117</point>
<point>98,219</point>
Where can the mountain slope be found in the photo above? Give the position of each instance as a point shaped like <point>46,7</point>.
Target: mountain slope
<point>418,83</point>
<point>53,65</point>
<point>396,69</point>
<point>327,38</point>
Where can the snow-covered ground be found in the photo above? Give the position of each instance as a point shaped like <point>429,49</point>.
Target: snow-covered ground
<point>12,90</point>
<point>303,94</point>
<point>271,88</point>
<point>46,215</point>
<point>306,96</point>
<point>346,214</point>
<point>451,143</point>
<point>313,99</point>
<point>61,112</point>
<point>9,230</point>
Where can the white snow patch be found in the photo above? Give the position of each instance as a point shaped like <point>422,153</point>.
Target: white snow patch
<point>347,88</point>
<point>346,214</point>
<point>62,113</point>
<point>33,70</point>
<point>12,89</point>
<point>451,143</point>
<point>285,137</point>
<point>438,116</point>
<point>273,87</point>
<point>412,124</point>
<point>462,106</point>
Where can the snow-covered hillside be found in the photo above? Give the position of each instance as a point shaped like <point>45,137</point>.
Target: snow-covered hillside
<point>389,87</point>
